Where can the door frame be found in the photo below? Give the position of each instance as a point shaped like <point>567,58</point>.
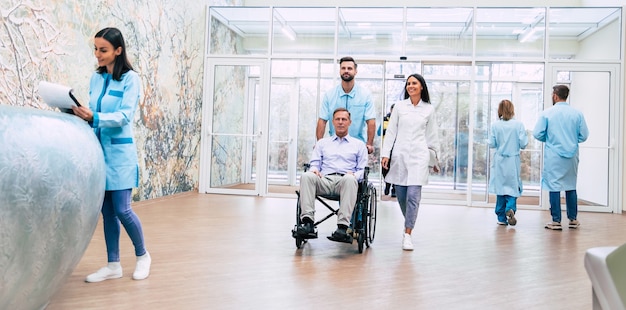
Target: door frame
<point>261,136</point>
<point>614,199</point>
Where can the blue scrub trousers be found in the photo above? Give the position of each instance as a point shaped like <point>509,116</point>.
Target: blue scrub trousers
<point>505,203</point>
<point>571,204</point>
<point>115,209</point>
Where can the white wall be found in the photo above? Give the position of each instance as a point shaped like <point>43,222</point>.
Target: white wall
<point>608,38</point>
<point>602,2</point>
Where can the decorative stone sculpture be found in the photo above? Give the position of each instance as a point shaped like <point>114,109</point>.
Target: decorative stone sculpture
<point>52,180</point>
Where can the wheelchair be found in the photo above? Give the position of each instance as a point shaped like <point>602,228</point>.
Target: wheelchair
<point>363,224</point>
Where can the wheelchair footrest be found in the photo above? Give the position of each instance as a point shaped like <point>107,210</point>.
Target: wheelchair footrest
<point>295,234</point>
<point>340,238</point>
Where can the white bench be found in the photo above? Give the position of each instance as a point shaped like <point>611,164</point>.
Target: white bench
<point>606,267</point>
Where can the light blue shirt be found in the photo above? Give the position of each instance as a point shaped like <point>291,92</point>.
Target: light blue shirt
<point>567,129</point>
<point>358,102</point>
<point>339,155</point>
<point>562,128</point>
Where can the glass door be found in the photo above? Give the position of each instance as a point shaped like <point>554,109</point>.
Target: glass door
<point>594,91</point>
<point>234,126</point>
<point>283,132</point>
<point>449,89</point>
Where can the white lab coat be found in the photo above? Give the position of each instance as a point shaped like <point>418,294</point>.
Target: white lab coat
<point>410,132</point>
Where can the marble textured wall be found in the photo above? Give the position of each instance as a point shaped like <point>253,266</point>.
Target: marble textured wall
<point>52,40</point>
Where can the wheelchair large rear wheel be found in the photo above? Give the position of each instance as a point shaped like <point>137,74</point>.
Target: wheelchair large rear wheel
<point>371,214</point>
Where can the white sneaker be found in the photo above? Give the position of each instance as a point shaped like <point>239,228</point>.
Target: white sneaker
<point>407,244</point>
<point>142,269</point>
<point>105,273</point>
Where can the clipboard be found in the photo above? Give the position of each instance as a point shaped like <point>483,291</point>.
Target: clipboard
<point>74,99</point>
<point>58,96</point>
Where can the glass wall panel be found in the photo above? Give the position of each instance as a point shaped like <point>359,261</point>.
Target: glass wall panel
<point>576,33</point>
<point>370,31</point>
<point>510,32</point>
<point>396,74</point>
<point>239,30</point>
<point>439,31</point>
<point>480,155</point>
<point>295,90</point>
<point>283,93</point>
<point>527,110</point>
<point>304,31</point>
<point>449,89</point>
<point>317,76</point>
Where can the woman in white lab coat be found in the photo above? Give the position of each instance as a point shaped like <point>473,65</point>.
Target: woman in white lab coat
<point>412,130</point>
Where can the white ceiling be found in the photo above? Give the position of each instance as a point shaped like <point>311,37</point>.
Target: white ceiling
<point>491,23</point>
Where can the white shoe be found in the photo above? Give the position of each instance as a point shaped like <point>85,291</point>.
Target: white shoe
<point>142,269</point>
<point>105,273</point>
<point>407,244</point>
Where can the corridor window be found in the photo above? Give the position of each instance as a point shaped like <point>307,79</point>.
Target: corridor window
<point>370,31</point>
<point>439,31</point>
<point>510,32</point>
<point>239,31</point>
<point>306,31</point>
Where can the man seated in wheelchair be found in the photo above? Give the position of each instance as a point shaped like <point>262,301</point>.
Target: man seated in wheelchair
<point>336,167</point>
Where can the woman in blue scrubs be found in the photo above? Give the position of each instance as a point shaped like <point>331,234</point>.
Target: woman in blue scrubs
<point>114,92</point>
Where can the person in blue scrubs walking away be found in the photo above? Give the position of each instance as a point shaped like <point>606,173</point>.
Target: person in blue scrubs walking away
<point>561,128</point>
<point>507,137</point>
<point>114,92</point>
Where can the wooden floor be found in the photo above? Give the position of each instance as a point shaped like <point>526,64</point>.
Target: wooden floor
<point>234,252</point>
